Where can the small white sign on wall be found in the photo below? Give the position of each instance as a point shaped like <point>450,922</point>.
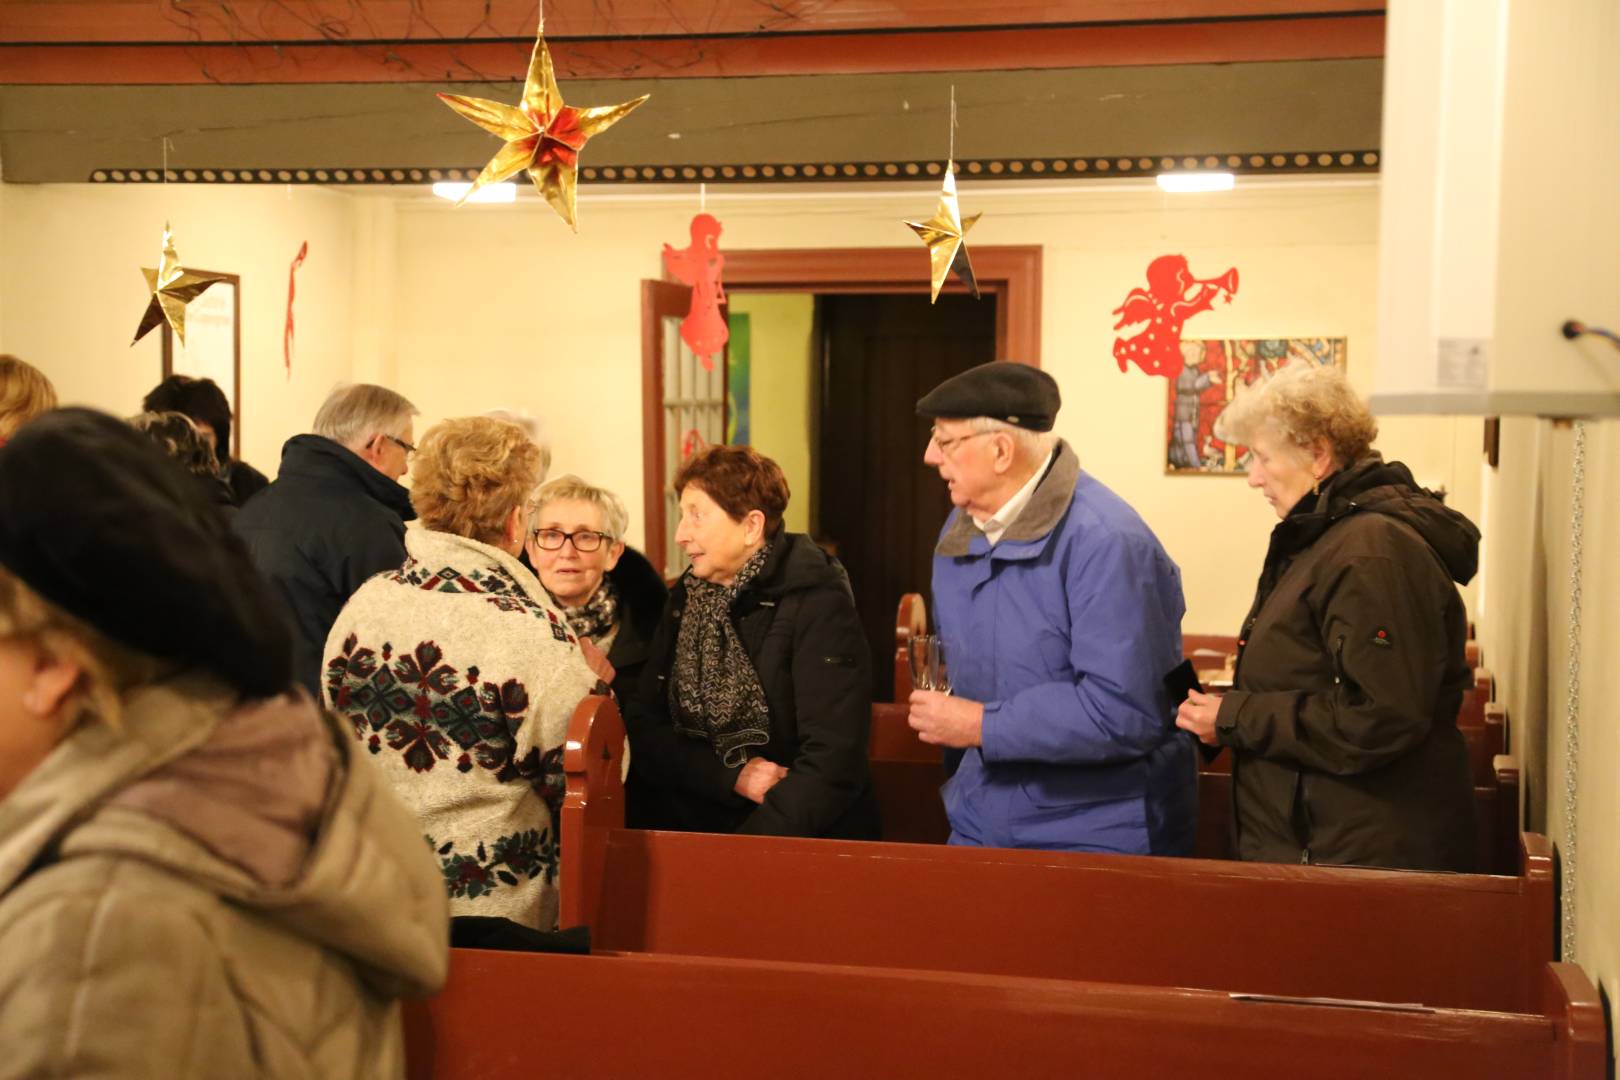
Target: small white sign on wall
<point>212,346</point>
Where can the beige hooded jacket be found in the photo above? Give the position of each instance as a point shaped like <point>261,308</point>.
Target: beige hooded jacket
<point>212,890</point>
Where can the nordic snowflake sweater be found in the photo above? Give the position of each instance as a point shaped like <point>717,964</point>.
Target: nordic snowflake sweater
<point>460,676</point>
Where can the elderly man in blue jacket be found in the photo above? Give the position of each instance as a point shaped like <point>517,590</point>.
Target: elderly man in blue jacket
<point>1061,617</point>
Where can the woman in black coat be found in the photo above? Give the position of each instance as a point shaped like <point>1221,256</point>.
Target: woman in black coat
<point>1351,666</point>
<point>753,712</point>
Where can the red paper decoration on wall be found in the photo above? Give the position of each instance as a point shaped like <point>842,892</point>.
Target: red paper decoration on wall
<point>1165,306</point>
<point>287,330</point>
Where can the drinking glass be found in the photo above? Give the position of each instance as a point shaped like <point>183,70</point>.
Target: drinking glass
<point>928,671</point>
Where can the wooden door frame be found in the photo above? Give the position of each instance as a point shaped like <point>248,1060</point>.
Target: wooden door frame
<point>1011,273</point>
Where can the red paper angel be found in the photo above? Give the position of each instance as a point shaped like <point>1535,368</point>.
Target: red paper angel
<point>1165,306</point>
<point>698,265</point>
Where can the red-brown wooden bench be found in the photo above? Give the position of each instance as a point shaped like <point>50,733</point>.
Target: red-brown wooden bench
<point>519,1015</point>
<point>1458,941</point>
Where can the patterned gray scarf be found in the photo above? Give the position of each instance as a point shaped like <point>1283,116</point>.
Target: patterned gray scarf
<point>596,616</point>
<point>715,692</point>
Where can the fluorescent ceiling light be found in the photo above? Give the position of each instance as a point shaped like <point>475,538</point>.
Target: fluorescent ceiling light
<point>1195,181</point>
<point>496,193</point>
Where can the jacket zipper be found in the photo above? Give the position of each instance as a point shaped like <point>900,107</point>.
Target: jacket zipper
<point>1304,777</point>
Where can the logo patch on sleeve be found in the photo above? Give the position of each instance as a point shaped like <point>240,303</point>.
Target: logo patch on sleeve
<point>1381,638</point>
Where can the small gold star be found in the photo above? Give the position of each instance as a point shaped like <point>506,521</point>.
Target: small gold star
<point>943,234</point>
<point>173,287</point>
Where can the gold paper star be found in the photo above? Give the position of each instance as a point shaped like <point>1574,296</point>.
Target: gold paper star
<point>173,287</point>
<point>943,233</point>
<point>542,135</point>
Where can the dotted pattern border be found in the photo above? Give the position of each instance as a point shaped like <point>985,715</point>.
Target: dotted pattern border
<point>1252,164</point>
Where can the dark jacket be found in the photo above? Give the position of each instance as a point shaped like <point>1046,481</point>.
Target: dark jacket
<point>328,523</point>
<point>642,595</point>
<point>1350,672</point>
<point>797,622</point>
<point>244,481</point>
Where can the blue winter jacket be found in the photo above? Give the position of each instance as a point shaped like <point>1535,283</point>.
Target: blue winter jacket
<point>1065,629</point>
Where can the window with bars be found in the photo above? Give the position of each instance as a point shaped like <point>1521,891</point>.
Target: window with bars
<point>694,404</point>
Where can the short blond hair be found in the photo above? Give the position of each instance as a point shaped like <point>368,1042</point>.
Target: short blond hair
<point>470,473</point>
<point>25,392</point>
<point>615,519</point>
<point>1303,402</point>
<point>107,669</point>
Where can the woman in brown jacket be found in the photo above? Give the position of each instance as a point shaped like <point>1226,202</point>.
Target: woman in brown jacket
<point>1343,715</point>
<point>200,874</point>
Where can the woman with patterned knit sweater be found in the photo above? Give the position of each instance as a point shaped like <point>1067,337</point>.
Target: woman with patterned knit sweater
<point>459,674</point>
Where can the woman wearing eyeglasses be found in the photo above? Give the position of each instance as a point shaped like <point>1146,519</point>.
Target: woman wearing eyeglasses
<point>610,593</point>
<point>753,713</point>
<point>459,674</point>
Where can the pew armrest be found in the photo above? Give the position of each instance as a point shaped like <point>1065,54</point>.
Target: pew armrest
<point>910,621</point>
<point>1568,998</point>
<point>593,760</point>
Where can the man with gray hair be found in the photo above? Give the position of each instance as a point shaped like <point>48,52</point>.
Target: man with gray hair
<point>335,514</point>
<point>1060,615</point>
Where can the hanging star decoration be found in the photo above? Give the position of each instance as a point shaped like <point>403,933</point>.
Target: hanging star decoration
<point>542,134</point>
<point>944,235</point>
<point>173,287</point>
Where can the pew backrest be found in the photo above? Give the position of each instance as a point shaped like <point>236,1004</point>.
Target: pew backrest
<point>680,1018</point>
<point>1467,941</point>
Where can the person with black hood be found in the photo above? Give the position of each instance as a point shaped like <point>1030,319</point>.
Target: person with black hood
<point>1342,719</point>
<point>204,402</point>
<point>200,874</point>
<point>335,514</point>
<point>752,714</point>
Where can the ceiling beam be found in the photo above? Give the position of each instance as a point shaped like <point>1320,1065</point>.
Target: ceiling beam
<point>1242,41</point>
<point>350,21</point>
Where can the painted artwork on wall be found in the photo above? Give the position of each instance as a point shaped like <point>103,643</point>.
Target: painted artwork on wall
<point>1212,372</point>
<point>739,369</point>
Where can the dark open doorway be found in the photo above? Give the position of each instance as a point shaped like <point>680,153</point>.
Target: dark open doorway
<point>876,503</point>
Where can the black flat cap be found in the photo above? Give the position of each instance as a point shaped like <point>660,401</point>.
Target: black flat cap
<point>1018,394</point>
<point>95,519</point>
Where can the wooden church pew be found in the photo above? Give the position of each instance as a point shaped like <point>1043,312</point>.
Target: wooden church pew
<point>907,774</point>
<point>511,1015</point>
<point>1173,922</point>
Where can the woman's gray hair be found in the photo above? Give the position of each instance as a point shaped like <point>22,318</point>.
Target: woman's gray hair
<point>1303,402</point>
<point>615,520</point>
<point>1032,445</point>
<point>354,414</point>
<point>532,427</point>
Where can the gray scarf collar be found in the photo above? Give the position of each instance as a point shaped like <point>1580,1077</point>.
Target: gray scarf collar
<point>1039,517</point>
<point>715,693</point>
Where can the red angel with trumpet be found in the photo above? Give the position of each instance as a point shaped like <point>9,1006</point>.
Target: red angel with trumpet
<point>1172,297</point>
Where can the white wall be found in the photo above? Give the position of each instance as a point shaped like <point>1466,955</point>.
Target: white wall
<point>70,275</point>
<point>467,310</point>
<point>504,304</point>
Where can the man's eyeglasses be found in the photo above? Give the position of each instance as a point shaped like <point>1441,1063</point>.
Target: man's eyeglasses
<point>402,444</point>
<point>946,445</point>
<point>585,540</point>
